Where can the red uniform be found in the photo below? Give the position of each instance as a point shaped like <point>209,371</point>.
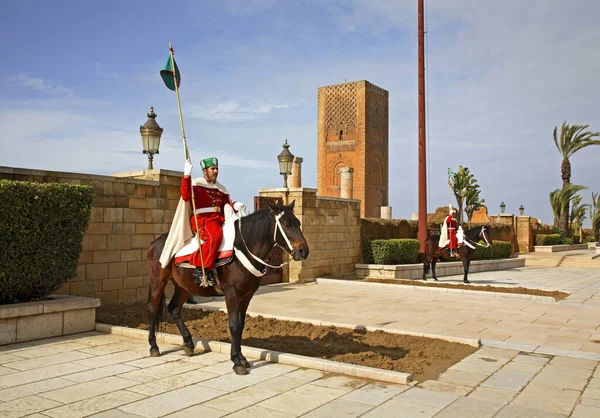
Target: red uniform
<point>452,229</point>
<point>209,213</point>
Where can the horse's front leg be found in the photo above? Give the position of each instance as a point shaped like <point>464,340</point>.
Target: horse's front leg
<point>243,309</point>
<point>466,263</point>
<point>426,263</point>
<point>236,327</point>
<point>180,296</point>
<point>156,302</point>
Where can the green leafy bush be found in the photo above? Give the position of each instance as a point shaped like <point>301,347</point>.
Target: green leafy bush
<point>575,239</point>
<point>498,250</point>
<point>391,251</point>
<point>41,232</point>
<point>589,239</point>
<point>548,239</point>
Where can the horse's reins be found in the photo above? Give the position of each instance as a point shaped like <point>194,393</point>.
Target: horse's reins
<point>470,244</point>
<point>244,260</point>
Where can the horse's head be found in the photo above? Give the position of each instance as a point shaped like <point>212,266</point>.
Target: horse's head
<point>486,234</point>
<point>287,233</point>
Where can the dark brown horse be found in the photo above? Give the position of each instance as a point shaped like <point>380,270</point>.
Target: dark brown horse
<point>257,234</point>
<point>465,252</point>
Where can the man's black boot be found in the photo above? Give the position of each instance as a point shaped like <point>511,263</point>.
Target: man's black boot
<point>210,277</point>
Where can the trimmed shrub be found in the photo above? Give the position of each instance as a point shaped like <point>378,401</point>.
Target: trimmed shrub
<point>41,232</point>
<point>589,239</point>
<point>498,250</point>
<point>391,251</point>
<point>548,239</point>
<point>575,239</point>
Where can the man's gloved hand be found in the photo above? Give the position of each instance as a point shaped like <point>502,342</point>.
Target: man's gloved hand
<point>187,169</point>
<point>240,207</point>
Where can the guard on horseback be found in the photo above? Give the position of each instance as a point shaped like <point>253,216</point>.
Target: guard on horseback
<point>210,198</point>
<point>451,235</point>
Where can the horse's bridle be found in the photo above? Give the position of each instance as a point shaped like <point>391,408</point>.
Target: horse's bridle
<point>244,260</point>
<point>470,242</point>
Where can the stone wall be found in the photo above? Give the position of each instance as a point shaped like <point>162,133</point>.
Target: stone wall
<point>129,211</point>
<point>331,227</point>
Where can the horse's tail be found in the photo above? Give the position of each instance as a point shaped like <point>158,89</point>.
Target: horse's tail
<point>162,309</point>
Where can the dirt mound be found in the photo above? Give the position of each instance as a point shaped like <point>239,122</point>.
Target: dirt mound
<point>424,358</point>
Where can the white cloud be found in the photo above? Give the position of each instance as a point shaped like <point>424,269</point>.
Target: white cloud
<point>41,85</point>
<point>233,111</point>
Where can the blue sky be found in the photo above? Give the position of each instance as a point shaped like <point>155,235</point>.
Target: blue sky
<point>79,76</point>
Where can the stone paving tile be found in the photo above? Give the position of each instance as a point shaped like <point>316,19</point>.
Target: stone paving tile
<point>207,358</point>
<point>240,399</point>
<point>30,376</point>
<point>166,384</point>
<point>280,384</point>
<point>470,365</point>
<point>35,388</point>
<point>471,407</point>
<point>530,359</point>
<point>401,409</point>
<point>49,360</point>
<point>427,397</point>
<point>222,368</point>
<point>592,392</point>
<point>523,367</point>
<point>445,387</point>
<point>25,406</point>
<point>302,399</point>
<point>512,411</point>
<point>93,374</point>
<point>51,349</point>
<point>585,411</point>
<point>458,377</point>
<point>87,390</point>
<point>232,382</point>
<point>547,398</point>
<point>375,393</point>
<point>589,401</point>
<point>560,381</point>
<point>574,363</point>
<point>94,405</point>
<point>260,412</point>
<point>199,411</point>
<point>508,379</point>
<point>265,368</point>
<point>341,382</point>
<point>6,370</point>
<point>307,375</point>
<point>172,401</point>
<point>493,394</point>
<point>148,374</point>
<point>7,358</point>
<point>110,359</point>
<point>112,413</point>
<point>339,408</point>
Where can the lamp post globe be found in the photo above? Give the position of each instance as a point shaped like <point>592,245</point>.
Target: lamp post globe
<point>502,207</point>
<point>151,133</point>
<point>285,158</point>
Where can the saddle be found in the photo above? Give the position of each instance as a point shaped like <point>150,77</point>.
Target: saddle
<point>225,254</point>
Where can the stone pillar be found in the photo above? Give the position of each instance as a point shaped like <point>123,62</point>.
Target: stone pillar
<point>295,179</point>
<point>346,186</point>
<point>386,212</point>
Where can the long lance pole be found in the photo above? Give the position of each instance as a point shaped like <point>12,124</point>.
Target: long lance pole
<point>187,157</point>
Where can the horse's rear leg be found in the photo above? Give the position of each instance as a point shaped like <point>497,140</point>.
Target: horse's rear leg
<point>180,296</point>
<point>426,263</point>
<point>243,309</point>
<point>236,327</point>
<point>466,263</point>
<point>156,309</point>
<point>433,263</point>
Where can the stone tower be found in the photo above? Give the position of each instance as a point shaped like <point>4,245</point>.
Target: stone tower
<point>353,133</point>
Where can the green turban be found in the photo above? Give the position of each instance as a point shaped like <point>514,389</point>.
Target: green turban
<point>209,162</point>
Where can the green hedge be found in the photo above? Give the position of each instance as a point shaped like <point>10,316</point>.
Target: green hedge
<point>391,251</point>
<point>498,250</point>
<point>548,239</point>
<point>41,232</point>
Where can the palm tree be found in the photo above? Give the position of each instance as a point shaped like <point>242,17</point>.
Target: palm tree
<point>462,184</point>
<point>473,202</point>
<point>595,214</point>
<point>560,198</point>
<point>556,205</point>
<point>572,138</point>
<point>578,211</point>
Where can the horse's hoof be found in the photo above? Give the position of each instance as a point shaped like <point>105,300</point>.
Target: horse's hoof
<point>466,281</point>
<point>246,363</point>
<point>424,279</point>
<point>154,352</point>
<point>188,350</point>
<point>240,370</point>
<point>435,279</point>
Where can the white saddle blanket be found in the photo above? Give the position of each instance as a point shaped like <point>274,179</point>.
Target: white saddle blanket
<point>191,245</point>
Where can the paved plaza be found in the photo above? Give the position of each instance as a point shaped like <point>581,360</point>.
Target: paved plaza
<point>539,359</point>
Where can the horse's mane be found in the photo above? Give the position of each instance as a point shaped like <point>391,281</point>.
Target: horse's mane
<point>253,227</point>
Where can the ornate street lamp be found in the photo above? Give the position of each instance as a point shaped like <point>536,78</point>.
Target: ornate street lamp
<point>286,159</point>
<point>521,210</point>
<point>151,134</point>
<point>502,207</point>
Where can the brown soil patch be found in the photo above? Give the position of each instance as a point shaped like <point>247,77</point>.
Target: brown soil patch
<point>556,294</point>
<point>424,358</point>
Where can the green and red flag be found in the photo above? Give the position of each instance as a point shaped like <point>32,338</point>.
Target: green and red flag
<point>167,73</point>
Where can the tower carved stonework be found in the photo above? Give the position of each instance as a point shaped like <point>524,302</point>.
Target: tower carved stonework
<point>353,133</point>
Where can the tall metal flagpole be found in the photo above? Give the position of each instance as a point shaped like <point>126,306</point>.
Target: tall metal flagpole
<point>187,157</point>
<point>422,231</point>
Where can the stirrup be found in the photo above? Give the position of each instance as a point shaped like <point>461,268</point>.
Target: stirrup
<point>201,280</point>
